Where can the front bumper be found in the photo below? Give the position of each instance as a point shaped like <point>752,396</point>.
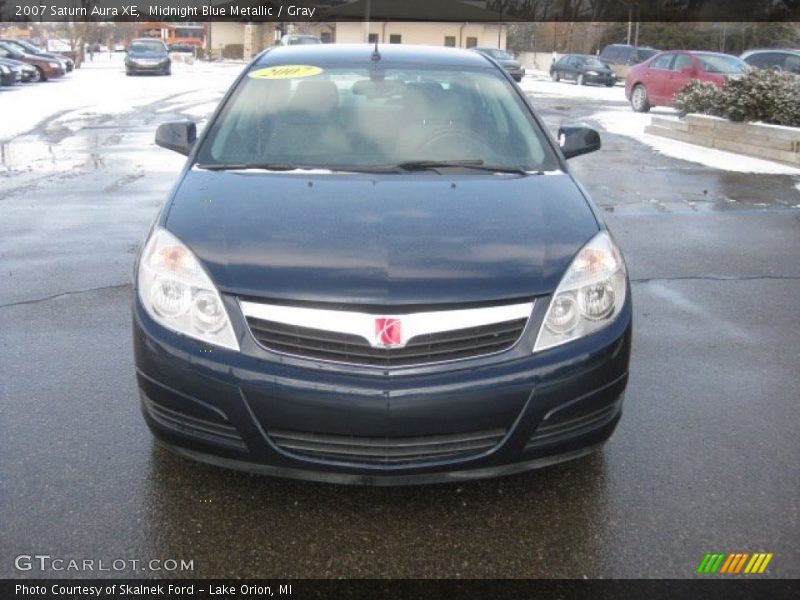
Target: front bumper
<point>516,73</point>
<point>10,78</point>
<point>603,79</point>
<point>162,67</point>
<point>227,408</point>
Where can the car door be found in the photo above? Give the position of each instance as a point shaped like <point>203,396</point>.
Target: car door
<point>655,79</point>
<point>561,67</point>
<point>791,63</point>
<point>682,71</point>
<point>569,68</point>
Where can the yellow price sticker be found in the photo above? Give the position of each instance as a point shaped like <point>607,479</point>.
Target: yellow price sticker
<point>285,72</point>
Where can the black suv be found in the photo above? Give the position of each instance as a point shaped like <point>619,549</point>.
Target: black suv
<point>621,57</point>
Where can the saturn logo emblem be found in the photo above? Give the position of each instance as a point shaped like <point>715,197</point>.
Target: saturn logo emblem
<point>388,333</point>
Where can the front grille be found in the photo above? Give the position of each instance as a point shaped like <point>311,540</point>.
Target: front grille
<point>348,348</point>
<point>555,432</point>
<point>221,432</point>
<point>396,451</point>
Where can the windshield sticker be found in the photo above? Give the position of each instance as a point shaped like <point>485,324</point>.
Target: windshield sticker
<point>285,72</point>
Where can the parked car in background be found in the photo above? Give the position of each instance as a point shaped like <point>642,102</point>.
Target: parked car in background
<point>582,69</point>
<point>621,57</point>
<point>182,48</point>
<point>780,59</point>
<point>26,71</point>
<point>299,40</point>
<point>17,69</point>
<point>46,68</point>
<point>656,81</point>
<point>146,55</point>
<point>29,48</point>
<point>9,75</point>
<point>505,60</point>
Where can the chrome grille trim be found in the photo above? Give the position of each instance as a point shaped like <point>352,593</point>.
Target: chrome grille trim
<point>350,337</point>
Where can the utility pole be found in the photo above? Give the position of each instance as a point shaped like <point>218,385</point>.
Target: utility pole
<point>630,21</point>
<point>367,7</point>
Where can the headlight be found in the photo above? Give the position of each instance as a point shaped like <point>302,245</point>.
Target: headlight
<point>54,65</point>
<point>589,297</point>
<point>176,292</point>
<point>591,72</point>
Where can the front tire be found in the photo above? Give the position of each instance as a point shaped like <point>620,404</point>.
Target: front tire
<point>639,100</point>
<point>40,76</point>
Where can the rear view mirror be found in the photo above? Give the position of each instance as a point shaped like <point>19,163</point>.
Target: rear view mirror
<point>575,141</point>
<point>179,136</point>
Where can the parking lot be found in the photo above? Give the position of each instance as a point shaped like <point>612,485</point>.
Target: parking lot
<point>705,458</point>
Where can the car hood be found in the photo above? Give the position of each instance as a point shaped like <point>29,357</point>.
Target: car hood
<point>388,239</point>
<point>147,54</point>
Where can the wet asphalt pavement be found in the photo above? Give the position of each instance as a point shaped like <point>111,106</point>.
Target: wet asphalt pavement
<point>705,457</point>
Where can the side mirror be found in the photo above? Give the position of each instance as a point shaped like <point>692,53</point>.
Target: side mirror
<point>575,141</point>
<point>689,71</point>
<point>179,136</point>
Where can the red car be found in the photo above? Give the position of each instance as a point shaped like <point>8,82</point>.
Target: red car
<point>656,81</point>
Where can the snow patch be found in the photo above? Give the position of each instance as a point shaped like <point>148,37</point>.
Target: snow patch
<point>632,124</point>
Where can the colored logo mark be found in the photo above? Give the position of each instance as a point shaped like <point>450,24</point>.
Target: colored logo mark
<point>734,563</point>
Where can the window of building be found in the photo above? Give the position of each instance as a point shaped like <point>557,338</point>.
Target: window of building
<point>472,42</point>
<point>373,38</point>
<point>450,41</point>
<point>325,36</point>
<point>395,38</point>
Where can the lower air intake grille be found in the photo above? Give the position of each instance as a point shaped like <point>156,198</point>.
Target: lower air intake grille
<point>429,348</point>
<point>386,450</point>
<point>221,432</point>
<point>552,433</point>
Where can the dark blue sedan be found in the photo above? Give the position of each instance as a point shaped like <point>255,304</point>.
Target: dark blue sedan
<point>376,267</point>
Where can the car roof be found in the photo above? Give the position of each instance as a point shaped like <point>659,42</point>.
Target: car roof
<point>762,50</point>
<point>332,54</point>
<point>146,40</point>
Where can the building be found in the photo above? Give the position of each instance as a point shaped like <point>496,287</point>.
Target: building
<point>456,24</point>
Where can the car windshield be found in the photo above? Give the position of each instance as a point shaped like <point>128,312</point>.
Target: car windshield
<point>643,55</point>
<point>146,47</point>
<point>716,63</point>
<point>296,40</point>
<point>498,54</point>
<point>27,46</point>
<point>356,117</point>
<point>8,50</point>
<point>589,61</point>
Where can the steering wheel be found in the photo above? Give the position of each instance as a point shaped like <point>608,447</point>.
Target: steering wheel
<point>459,139</point>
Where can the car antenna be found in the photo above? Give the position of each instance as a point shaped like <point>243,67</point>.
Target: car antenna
<point>376,56</point>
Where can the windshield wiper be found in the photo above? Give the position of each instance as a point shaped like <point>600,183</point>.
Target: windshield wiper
<point>246,166</point>
<point>433,165</point>
<point>292,167</point>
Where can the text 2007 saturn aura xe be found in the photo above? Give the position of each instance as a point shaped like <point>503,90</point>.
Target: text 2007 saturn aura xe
<point>376,267</point>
